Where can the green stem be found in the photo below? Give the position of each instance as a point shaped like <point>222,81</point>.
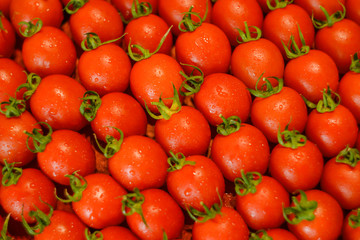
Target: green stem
<point>32,82</point>
<point>42,220</point>
<point>30,28</point>
<point>228,126</point>
<point>247,183</point>
<point>40,141</point>
<point>247,36</point>
<point>74,5</point>
<point>10,174</point>
<point>208,214</point>
<point>302,210</point>
<point>12,108</point>
<point>178,161</point>
<point>192,82</point>
<point>91,102</point>
<point>112,144</point>
<point>78,184</point>
<point>328,104</point>
<point>291,139</point>
<point>278,4</point>
<point>266,89</point>
<point>330,19</point>
<point>93,41</point>
<point>292,50</point>
<point>138,10</point>
<point>1,24</point>
<point>133,202</point>
<point>96,235</point>
<point>264,235</point>
<point>354,219</point>
<point>355,63</point>
<point>4,229</point>
<point>349,156</point>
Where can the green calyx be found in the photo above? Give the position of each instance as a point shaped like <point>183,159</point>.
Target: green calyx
<point>32,82</point>
<point>256,235</point>
<point>355,63</point>
<point>1,24</point>
<point>349,156</point>
<point>292,50</point>
<point>12,108</point>
<point>178,161</point>
<point>91,102</point>
<point>166,112</point>
<point>30,28</point>
<point>4,229</point>
<point>266,89</point>
<point>328,104</point>
<point>96,235</point>
<point>138,10</point>
<point>229,125</point>
<point>302,210</point>
<point>93,41</point>
<point>74,5</point>
<point>165,237</point>
<point>187,24</point>
<point>112,144</point>
<point>77,184</point>
<point>192,82</point>
<point>247,35</point>
<point>145,53</point>
<point>208,214</point>
<point>291,139</point>
<point>40,141</point>
<point>354,219</point>
<point>247,183</point>
<point>330,19</point>
<point>42,220</point>
<point>132,202</point>
<point>278,4</point>
<point>10,174</point>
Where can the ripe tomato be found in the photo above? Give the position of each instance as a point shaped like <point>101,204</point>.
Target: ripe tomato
<point>197,181</point>
<point>222,93</point>
<point>124,7</point>
<point>312,7</point>
<point>275,234</point>
<point>352,10</point>
<point>5,7</point>
<point>230,15</point>
<point>113,233</point>
<point>351,230</point>
<point>160,212</point>
<point>57,100</point>
<point>7,37</point>
<point>100,205</point>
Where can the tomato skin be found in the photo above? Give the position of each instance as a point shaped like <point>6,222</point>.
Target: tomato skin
<point>280,234</point>
<point>96,16</point>
<point>340,42</point>
<point>332,131</point>
<point>187,132</point>
<point>26,193</point>
<point>250,60</point>
<point>299,168</point>
<point>50,51</point>
<point>122,111</point>
<point>205,52</point>
<point>229,15</point>
<point>5,7</point>
<point>100,205</point>
<point>352,10</point>
<point>263,209</point>
<point>328,218</point>
<point>140,163</point>
<point>192,184</point>
<point>98,69</point>
<point>149,79</point>
<point>224,94</point>
<point>124,7</point>
<point>57,101</point>
<point>311,73</point>
<point>67,152</point>
<point>113,233</point>
<point>7,38</point>
<point>161,213</point>
<point>63,226</point>
<point>349,233</point>
<point>268,114</point>
<point>349,93</point>
<point>13,139</point>
<point>229,225</point>
<point>247,149</point>
<point>312,7</point>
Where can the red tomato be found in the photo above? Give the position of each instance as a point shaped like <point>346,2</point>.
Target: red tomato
<point>113,233</point>
<point>5,7</point>
<point>57,100</point>
<point>122,111</point>
<point>352,10</point>
<point>349,91</point>
<point>227,224</point>
<point>49,51</point>
<point>279,234</point>
<point>351,230</point>
<point>199,181</point>
<point>100,205</point>
<point>7,37</point>
<point>63,226</point>
<point>312,7</point>
<point>140,163</point>
<point>124,6</point>
<point>224,94</point>
<point>230,15</point>
<point>161,213</point>
<point>99,17</point>
<point>201,48</point>
<point>246,149</point>
<point>32,189</point>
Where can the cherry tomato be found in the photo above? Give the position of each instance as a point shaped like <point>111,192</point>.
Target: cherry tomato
<point>7,37</point>
<point>312,7</point>
<point>351,230</point>
<point>124,6</point>
<point>113,233</point>
<point>349,93</point>
<point>5,7</point>
<point>352,10</point>
<point>278,234</point>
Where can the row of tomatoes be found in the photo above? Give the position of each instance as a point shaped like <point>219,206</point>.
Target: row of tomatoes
<point>158,126</point>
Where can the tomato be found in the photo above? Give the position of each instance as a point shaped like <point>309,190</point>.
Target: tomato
<point>351,230</point>
<point>113,233</point>
<point>230,15</point>
<point>205,52</point>
<point>57,100</point>
<point>173,11</point>
<point>50,12</point>
<point>323,220</point>
<point>227,224</point>
<point>32,189</point>
<point>161,214</point>
<point>312,7</point>
<point>197,181</point>
<point>67,152</point>
<point>49,51</point>
<point>222,93</point>
<point>13,139</point>
<point>246,149</point>
<point>5,7</point>
<point>260,200</point>
<point>7,37</point>
<point>352,10</point>
<point>140,163</point>
<point>122,111</point>
<point>309,74</point>
<point>276,234</point>
<point>100,205</point>
<point>124,7</point>
<point>98,69</point>
<point>99,17</point>
<point>63,226</point>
